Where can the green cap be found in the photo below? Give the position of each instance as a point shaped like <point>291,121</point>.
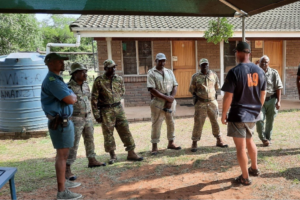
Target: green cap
<point>77,66</point>
<point>109,63</point>
<point>54,56</point>
<point>203,60</point>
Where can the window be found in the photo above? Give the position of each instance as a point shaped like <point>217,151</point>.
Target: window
<point>129,57</point>
<point>137,61</point>
<point>229,56</point>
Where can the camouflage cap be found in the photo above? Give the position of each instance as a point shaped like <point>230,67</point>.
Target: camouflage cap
<point>77,66</point>
<point>54,56</point>
<point>109,63</point>
<point>203,60</point>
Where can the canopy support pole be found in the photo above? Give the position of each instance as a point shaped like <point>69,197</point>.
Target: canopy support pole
<point>243,29</point>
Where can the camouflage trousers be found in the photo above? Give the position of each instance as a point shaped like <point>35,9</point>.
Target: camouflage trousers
<point>111,118</point>
<point>83,126</point>
<point>202,110</point>
<point>157,118</point>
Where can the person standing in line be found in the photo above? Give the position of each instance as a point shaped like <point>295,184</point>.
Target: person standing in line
<point>272,102</point>
<point>245,94</point>
<point>204,86</point>
<point>82,119</point>
<point>57,102</point>
<point>107,92</point>
<point>162,85</point>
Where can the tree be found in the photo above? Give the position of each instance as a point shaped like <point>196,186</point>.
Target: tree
<point>218,30</point>
<point>56,30</point>
<point>19,32</point>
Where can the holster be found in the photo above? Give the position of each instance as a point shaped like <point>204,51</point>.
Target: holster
<point>195,99</point>
<point>55,122</point>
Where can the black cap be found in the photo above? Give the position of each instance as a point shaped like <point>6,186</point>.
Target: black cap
<point>243,47</point>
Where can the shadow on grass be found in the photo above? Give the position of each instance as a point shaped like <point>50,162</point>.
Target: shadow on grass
<point>289,174</point>
<point>37,173</point>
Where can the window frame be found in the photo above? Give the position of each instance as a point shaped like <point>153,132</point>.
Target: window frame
<point>137,59</point>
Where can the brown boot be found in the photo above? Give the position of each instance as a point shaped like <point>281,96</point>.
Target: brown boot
<point>95,163</point>
<point>194,146</point>
<point>69,175</point>
<point>220,143</point>
<point>266,143</point>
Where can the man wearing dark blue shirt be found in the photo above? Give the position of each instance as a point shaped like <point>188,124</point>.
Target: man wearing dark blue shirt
<point>244,89</point>
<point>57,100</point>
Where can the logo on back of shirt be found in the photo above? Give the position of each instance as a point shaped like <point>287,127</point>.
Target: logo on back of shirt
<point>252,80</point>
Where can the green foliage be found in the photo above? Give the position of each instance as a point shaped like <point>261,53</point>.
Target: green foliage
<point>19,32</point>
<point>56,30</point>
<point>218,30</point>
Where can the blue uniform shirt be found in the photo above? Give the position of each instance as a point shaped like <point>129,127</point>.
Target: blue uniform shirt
<point>54,89</point>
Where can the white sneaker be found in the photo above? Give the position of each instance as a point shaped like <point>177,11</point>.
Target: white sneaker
<point>71,184</point>
<point>67,194</point>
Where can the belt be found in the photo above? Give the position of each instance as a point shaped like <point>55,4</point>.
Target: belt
<point>80,114</point>
<point>51,117</point>
<point>205,100</point>
<point>109,105</point>
<point>271,97</point>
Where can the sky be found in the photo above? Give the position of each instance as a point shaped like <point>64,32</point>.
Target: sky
<point>41,17</point>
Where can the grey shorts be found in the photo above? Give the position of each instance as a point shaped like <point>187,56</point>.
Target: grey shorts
<point>62,137</point>
<point>240,129</point>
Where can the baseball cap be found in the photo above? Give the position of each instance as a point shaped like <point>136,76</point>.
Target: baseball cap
<point>203,60</point>
<point>243,47</point>
<point>160,56</point>
<point>77,66</point>
<point>109,63</point>
<point>54,56</point>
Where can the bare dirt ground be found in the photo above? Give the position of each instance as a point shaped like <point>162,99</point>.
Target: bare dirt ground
<point>206,174</point>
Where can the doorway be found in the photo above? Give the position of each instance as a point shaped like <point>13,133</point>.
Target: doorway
<point>184,65</point>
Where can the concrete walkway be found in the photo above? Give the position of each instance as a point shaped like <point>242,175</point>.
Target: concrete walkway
<point>143,113</point>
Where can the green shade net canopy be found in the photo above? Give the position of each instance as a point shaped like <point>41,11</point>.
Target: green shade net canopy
<point>213,8</point>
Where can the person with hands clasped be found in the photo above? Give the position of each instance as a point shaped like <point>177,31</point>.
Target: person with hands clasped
<point>162,85</point>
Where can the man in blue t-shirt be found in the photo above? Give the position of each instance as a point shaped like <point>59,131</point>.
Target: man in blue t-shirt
<point>245,94</point>
<point>57,102</point>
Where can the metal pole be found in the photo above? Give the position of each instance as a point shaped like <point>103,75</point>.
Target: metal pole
<point>243,28</point>
<point>93,55</point>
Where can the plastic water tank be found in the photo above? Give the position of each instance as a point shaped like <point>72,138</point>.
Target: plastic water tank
<point>21,77</point>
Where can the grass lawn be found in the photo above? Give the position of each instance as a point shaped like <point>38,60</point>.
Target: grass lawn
<point>169,175</point>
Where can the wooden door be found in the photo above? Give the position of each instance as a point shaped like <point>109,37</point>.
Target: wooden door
<point>273,49</point>
<point>184,66</point>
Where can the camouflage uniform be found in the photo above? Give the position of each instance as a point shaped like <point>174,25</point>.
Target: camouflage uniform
<point>105,92</point>
<point>163,84</point>
<point>83,121</point>
<point>205,86</point>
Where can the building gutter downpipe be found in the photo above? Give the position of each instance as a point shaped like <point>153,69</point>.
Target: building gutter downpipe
<point>77,44</point>
<point>239,13</point>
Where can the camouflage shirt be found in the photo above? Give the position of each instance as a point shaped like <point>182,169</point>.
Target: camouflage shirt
<point>83,105</point>
<point>273,81</point>
<point>205,86</point>
<point>106,92</point>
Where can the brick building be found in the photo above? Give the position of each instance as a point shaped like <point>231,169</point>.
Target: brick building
<point>133,41</point>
